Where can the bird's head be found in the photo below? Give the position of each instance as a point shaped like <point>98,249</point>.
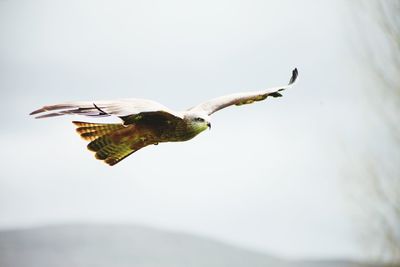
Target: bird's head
<point>198,122</point>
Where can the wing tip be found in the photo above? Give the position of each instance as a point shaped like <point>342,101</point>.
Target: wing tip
<point>49,115</point>
<point>295,74</point>
<point>36,112</point>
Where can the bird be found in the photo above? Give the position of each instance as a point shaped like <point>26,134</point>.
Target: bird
<point>146,122</point>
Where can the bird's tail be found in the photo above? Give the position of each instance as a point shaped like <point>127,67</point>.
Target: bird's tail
<point>103,142</point>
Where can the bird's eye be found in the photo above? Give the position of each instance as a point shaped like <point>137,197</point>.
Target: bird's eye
<point>199,119</point>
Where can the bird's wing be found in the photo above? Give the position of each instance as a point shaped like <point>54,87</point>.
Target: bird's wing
<point>124,108</point>
<point>238,99</point>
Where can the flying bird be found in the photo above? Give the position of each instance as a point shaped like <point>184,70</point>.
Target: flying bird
<point>146,122</point>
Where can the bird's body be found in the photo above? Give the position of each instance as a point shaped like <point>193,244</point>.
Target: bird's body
<point>146,122</point>
<point>113,142</point>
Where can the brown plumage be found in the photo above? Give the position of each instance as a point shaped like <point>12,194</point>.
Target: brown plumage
<point>114,142</point>
<point>106,140</point>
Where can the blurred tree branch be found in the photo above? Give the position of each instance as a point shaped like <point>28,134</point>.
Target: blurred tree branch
<point>382,54</point>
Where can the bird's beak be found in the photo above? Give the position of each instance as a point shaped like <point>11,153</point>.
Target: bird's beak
<point>209,125</point>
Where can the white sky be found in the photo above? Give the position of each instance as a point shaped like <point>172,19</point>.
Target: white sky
<point>268,176</point>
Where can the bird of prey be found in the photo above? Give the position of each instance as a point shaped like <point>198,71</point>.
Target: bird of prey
<point>145,122</point>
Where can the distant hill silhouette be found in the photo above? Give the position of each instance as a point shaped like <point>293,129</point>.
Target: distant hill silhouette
<point>129,246</point>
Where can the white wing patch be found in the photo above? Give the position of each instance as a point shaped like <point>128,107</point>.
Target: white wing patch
<point>119,108</point>
<point>213,105</point>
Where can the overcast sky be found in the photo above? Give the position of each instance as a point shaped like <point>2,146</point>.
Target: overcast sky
<point>268,176</point>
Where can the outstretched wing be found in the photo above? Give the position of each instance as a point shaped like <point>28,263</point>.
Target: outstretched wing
<point>124,108</point>
<point>238,99</point>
